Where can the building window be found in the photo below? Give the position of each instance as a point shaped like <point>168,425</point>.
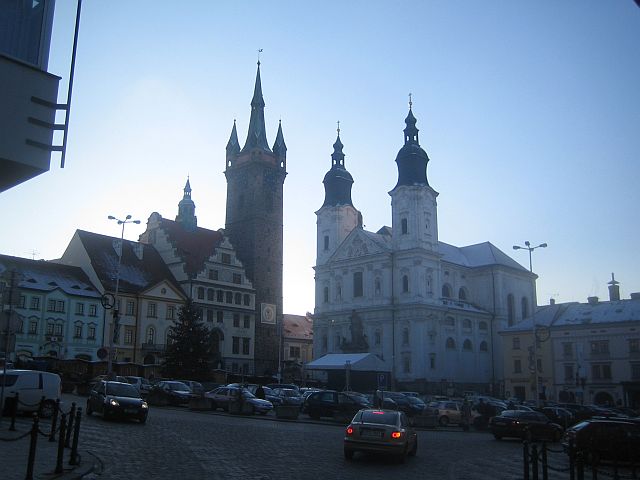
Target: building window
<point>600,347</point>
<point>237,278</point>
<point>151,310</point>
<point>220,296</point>
<point>324,343</point>
<point>338,340</point>
<point>483,326</point>
<point>405,284</point>
<point>58,329</point>
<point>229,297</point>
<point>451,343</point>
<point>235,345</point>
<point>446,291</point>
<point>449,321</point>
<point>55,306</point>
<point>79,308</point>
<point>238,298</point>
<point>432,361</point>
<point>247,321</point>
<point>357,284</point>
<point>511,310</point>
<point>294,352</point>
<point>567,350</point>
<point>171,312</point>
<point>35,303</point>
<point>601,371</point>
<point>91,332</point>
<point>568,374</point>
<point>209,315</point>
<point>234,367</point>
<point>635,371</point>
<point>213,274</point>
<point>33,328</point>
<point>22,301</point>
<point>525,307</point>
<point>236,320</point>
<point>246,299</point>
<point>225,258</point>
<point>93,310</point>
<point>131,307</point>
<point>406,364</point>
<point>634,345</point>
<point>211,294</point>
<point>128,336</point>
<point>246,344</point>
<point>326,294</point>
<point>377,337</point>
<point>151,335</point>
<point>376,286</point>
<point>405,336</point>
<point>484,346</point>
<point>517,366</point>
<point>516,343</point>
<point>467,346</point>
<point>462,294</point>
<point>326,242</point>
<point>200,293</point>
<point>466,324</point>
<point>77,330</point>
<point>220,316</point>
<point>404,226</point>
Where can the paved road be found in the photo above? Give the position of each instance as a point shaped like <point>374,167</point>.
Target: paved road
<point>177,443</point>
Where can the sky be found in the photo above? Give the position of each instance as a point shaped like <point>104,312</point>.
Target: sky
<point>529,112</point>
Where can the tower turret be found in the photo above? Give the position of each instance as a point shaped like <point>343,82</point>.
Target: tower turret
<point>280,148</point>
<point>187,210</point>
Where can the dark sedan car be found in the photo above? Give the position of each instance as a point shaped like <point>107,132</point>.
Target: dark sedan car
<point>330,403</point>
<point>525,425</point>
<point>380,431</point>
<point>606,439</point>
<point>117,400</point>
<point>169,392</point>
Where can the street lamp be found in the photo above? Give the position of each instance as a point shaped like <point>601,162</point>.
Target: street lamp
<point>116,318</point>
<point>533,317</point>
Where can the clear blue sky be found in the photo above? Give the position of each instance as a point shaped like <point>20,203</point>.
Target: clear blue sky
<point>529,111</point>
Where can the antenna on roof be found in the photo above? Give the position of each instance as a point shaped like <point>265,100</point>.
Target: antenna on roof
<point>33,253</point>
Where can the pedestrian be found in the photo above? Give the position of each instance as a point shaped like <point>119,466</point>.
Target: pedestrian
<point>466,415</point>
<point>260,392</point>
<point>377,399</point>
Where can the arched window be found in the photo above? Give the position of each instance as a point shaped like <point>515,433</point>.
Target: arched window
<point>449,321</point>
<point>405,336</point>
<point>525,307</point>
<point>151,335</point>
<point>466,324</point>
<point>238,298</point>
<point>167,337</point>
<point>467,346</point>
<point>511,310</point>
<point>483,346</point>
<point>210,294</point>
<point>405,284</point>
<point>462,293</point>
<point>377,286</point>
<point>451,343</point>
<point>482,326</point>
<point>404,226</point>
<point>200,293</point>
<point>446,291</point>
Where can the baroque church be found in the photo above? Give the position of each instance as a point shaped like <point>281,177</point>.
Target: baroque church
<point>431,311</point>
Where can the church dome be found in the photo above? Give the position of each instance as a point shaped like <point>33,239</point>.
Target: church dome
<point>411,159</point>
<point>338,181</point>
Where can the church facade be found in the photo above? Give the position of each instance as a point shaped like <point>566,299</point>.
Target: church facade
<point>431,311</point>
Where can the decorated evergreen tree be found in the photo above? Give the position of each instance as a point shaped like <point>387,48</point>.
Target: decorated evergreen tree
<point>189,346</point>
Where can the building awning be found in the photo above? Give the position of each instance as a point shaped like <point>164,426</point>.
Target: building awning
<point>363,362</point>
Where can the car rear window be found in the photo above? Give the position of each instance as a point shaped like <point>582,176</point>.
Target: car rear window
<point>383,418</point>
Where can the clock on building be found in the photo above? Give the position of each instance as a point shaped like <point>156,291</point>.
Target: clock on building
<point>268,313</point>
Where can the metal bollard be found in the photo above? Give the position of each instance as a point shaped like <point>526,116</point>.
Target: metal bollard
<point>525,456</point>
<point>32,448</point>
<point>545,470</point>
<point>72,414</point>
<point>54,422</point>
<point>63,427</point>
<point>534,459</point>
<point>572,453</point>
<point>580,465</point>
<point>14,412</point>
<point>73,459</point>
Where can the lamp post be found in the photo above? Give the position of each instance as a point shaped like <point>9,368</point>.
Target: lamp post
<point>116,317</point>
<point>530,249</point>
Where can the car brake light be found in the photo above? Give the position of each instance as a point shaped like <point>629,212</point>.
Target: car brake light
<point>349,430</point>
<point>378,413</point>
<point>396,434</point>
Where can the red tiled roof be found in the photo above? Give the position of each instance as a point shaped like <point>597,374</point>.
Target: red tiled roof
<point>193,247</point>
<point>298,326</point>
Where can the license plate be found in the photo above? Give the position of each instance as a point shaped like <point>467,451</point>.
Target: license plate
<point>130,410</point>
<point>369,433</point>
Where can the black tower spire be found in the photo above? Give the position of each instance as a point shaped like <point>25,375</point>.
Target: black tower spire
<point>257,136</point>
<point>412,159</point>
<point>337,181</point>
<point>280,148</point>
<point>233,146</point>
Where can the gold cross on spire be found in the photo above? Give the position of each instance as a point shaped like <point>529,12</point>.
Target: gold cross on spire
<point>410,102</point>
<point>338,127</point>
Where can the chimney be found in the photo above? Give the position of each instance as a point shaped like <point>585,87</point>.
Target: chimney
<point>614,289</point>
<point>552,301</point>
<point>635,296</point>
<point>592,300</point>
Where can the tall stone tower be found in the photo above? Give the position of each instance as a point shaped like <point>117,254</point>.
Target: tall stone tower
<point>255,178</point>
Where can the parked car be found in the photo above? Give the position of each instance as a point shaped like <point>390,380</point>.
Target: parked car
<point>195,387</point>
<point>580,412</point>
<point>403,403</point>
<point>117,399</point>
<point>330,403</point>
<point>288,396</point>
<point>608,439</point>
<point>31,386</point>
<point>221,397</point>
<point>447,412</point>
<point>272,397</point>
<point>525,425</point>
<point>380,431</point>
<point>169,392</point>
<point>292,386</point>
<point>559,415</point>
<point>142,384</point>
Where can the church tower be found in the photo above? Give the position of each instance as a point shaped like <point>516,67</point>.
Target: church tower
<point>413,201</point>
<point>255,178</point>
<point>337,217</point>
<point>187,211</point>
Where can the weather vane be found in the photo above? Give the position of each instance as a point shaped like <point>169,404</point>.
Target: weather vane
<point>259,52</point>
<point>338,127</point>
<point>410,102</point>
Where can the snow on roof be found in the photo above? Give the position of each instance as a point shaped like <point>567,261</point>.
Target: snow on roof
<point>298,326</point>
<point>358,361</point>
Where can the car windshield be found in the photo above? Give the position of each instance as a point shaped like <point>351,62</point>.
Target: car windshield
<point>247,393</point>
<point>178,387</point>
<point>380,417</point>
<point>122,390</point>
<point>510,413</point>
<point>289,393</point>
<point>415,401</point>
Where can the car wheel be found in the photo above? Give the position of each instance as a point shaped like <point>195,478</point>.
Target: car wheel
<point>348,454</point>
<point>48,407</point>
<point>314,415</point>
<point>402,458</point>
<point>444,421</point>
<point>143,420</point>
<point>414,450</point>
<point>214,406</point>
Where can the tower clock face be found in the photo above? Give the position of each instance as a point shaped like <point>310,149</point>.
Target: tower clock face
<point>268,313</point>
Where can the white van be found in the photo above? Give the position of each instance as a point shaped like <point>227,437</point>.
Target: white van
<point>31,386</point>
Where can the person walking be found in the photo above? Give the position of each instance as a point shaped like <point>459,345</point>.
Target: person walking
<point>466,415</point>
<point>260,392</point>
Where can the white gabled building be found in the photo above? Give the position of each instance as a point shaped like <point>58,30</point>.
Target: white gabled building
<point>428,309</point>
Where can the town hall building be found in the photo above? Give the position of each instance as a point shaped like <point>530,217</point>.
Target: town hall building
<point>431,311</point>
